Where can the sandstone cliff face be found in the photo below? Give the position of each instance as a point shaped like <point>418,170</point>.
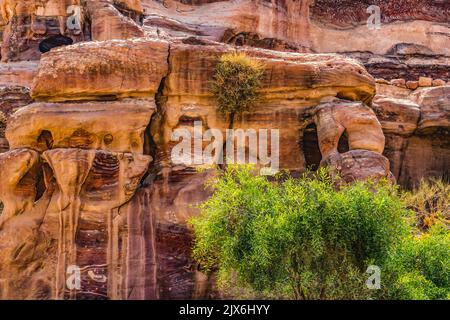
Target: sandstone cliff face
<point>417,137</point>
<point>34,24</point>
<point>87,177</point>
<point>75,166</point>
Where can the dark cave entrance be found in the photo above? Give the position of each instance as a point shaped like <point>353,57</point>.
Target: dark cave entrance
<point>45,140</point>
<point>343,143</point>
<point>310,147</point>
<point>54,41</point>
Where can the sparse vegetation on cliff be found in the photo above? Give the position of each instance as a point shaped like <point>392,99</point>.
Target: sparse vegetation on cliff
<point>2,124</point>
<point>236,82</point>
<point>431,203</point>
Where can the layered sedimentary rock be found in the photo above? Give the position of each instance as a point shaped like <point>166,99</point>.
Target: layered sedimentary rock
<point>70,179</point>
<point>29,22</point>
<point>282,23</point>
<point>12,97</point>
<point>19,173</point>
<point>106,70</point>
<point>18,73</point>
<point>90,187</point>
<point>321,25</point>
<point>357,165</point>
<point>292,85</point>
<point>103,204</point>
<point>108,22</point>
<point>351,12</point>
<point>405,61</point>
<point>111,126</point>
<point>416,126</point>
<point>33,27</point>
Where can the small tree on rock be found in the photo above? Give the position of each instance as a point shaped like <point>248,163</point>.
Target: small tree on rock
<point>236,83</point>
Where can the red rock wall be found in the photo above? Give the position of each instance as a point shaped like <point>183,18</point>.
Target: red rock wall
<point>87,175</point>
<point>347,13</point>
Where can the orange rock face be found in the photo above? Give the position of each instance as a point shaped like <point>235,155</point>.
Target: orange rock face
<point>112,126</point>
<point>89,184</point>
<point>416,127</point>
<point>108,23</point>
<point>102,70</point>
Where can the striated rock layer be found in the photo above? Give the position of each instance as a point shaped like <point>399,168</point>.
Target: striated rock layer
<point>89,188</point>
<point>417,128</point>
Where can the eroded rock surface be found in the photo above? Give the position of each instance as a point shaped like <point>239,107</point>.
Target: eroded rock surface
<point>102,70</point>
<point>35,26</point>
<point>416,127</point>
<point>94,173</point>
<point>113,126</point>
<point>88,181</point>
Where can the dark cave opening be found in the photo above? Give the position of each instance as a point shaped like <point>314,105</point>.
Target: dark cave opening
<point>343,143</point>
<point>310,147</point>
<point>40,184</point>
<point>54,41</point>
<point>45,140</point>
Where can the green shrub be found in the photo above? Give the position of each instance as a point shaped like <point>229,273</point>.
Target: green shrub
<point>419,267</point>
<point>431,202</point>
<point>236,82</point>
<point>299,239</point>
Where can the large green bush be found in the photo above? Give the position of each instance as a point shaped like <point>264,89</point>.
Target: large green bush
<point>236,82</point>
<point>299,239</point>
<point>419,267</point>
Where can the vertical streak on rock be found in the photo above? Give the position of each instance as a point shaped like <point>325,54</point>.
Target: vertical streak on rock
<point>305,25</point>
<point>123,259</point>
<point>135,252</point>
<point>109,256</point>
<point>151,264</point>
<point>141,274</point>
<point>113,255</point>
<point>71,168</point>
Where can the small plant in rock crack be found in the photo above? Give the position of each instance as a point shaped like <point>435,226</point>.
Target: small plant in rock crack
<point>236,82</point>
<point>3,121</point>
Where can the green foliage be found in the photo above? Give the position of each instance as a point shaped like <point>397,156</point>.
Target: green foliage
<point>431,202</point>
<point>296,238</point>
<point>419,268</point>
<point>236,82</point>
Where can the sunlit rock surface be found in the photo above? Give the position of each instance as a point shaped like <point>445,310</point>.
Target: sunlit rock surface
<point>88,183</point>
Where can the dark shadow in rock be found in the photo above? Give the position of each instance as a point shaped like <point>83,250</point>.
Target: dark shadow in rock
<point>45,140</point>
<point>343,146</point>
<point>310,147</point>
<point>194,41</point>
<point>54,41</point>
